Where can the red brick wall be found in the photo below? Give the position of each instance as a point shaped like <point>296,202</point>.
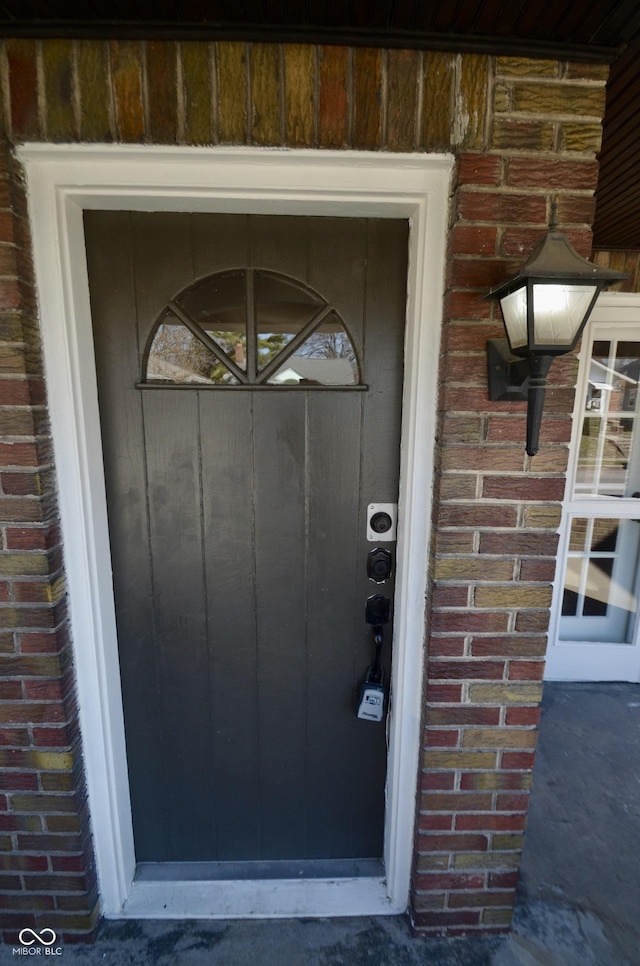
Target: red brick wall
<point>46,862</point>
<point>525,134</point>
<point>496,517</point>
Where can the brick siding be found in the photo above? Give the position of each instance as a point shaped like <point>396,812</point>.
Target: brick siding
<point>525,134</point>
<point>47,872</point>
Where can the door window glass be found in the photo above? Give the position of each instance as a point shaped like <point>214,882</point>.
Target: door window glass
<point>608,451</point>
<point>599,600</point>
<point>600,585</point>
<point>248,328</point>
<point>282,311</point>
<point>218,306</point>
<point>177,356</point>
<point>325,358</point>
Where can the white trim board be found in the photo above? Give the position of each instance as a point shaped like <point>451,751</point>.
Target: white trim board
<point>62,181</point>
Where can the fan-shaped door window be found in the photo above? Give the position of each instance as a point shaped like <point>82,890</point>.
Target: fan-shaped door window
<point>250,328</point>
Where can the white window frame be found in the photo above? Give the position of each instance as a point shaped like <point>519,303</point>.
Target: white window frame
<point>63,180</point>
<point>615,315</point>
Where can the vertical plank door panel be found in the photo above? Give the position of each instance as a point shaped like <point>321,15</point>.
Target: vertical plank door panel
<point>279,243</point>
<point>332,628</point>
<point>229,561</point>
<point>163,265</point>
<point>173,470</point>
<point>110,255</point>
<point>279,430</point>
<point>219,242</point>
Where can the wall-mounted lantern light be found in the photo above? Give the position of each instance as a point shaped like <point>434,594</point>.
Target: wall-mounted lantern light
<point>544,309</point>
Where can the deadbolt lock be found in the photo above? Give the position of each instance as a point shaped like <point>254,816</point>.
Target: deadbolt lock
<point>381,521</point>
<point>379,565</point>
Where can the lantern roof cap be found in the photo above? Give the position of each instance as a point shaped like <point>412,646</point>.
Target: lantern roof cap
<point>556,260</point>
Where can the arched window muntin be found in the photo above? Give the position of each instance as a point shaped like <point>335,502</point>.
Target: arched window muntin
<point>250,328</point>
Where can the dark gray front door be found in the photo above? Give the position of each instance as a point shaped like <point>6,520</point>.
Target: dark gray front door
<point>238,482</point>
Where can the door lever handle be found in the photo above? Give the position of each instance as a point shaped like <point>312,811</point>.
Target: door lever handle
<point>377,614</point>
<point>378,640</point>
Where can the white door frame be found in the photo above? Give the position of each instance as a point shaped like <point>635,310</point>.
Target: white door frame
<point>576,660</point>
<point>63,180</point>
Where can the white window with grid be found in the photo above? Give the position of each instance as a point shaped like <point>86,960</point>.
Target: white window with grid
<point>595,631</point>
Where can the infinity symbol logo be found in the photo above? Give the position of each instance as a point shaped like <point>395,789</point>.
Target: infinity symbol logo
<point>36,937</point>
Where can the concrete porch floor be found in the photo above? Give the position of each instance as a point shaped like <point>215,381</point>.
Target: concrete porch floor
<point>579,894</point>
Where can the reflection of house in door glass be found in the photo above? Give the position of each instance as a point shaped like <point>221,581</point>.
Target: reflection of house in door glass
<point>326,358</point>
<point>606,450</point>
<point>600,584</point>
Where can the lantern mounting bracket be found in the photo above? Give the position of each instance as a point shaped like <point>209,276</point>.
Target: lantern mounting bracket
<point>508,375</point>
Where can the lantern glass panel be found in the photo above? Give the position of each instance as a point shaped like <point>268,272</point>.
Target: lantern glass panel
<point>514,313</point>
<point>558,311</point>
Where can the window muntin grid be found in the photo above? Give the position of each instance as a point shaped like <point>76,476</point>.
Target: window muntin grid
<point>250,327</point>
